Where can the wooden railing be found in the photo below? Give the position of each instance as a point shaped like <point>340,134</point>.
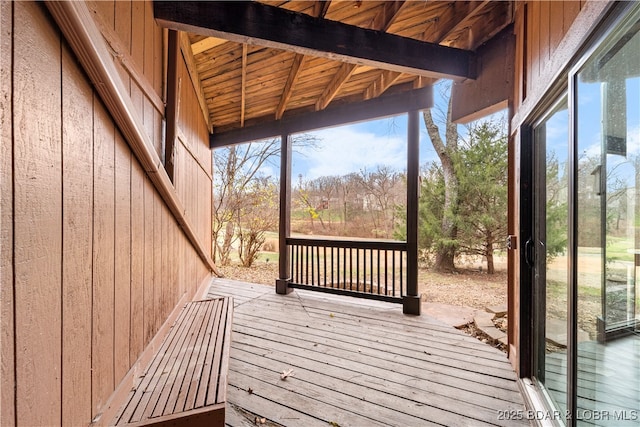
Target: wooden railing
<point>363,268</point>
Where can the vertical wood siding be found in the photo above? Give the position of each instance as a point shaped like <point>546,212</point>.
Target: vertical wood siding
<point>540,27</point>
<point>7,371</point>
<point>93,261</point>
<point>37,224</point>
<point>77,245</point>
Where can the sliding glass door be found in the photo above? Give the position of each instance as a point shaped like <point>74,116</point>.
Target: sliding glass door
<point>606,101</point>
<point>584,250</point>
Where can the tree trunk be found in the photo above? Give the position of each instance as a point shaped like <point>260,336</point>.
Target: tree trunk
<point>446,251</point>
<point>490,268</point>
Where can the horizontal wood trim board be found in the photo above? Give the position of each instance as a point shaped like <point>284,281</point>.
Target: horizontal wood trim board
<point>121,54</point>
<point>270,26</point>
<point>384,106</point>
<point>354,244</point>
<point>85,39</point>
<point>337,291</point>
<point>184,141</point>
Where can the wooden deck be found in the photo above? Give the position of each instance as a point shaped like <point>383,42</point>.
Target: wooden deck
<point>357,363</point>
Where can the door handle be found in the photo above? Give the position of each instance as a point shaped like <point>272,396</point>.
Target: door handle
<point>529,252</point>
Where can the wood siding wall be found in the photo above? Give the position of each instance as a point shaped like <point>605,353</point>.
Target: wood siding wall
<point>92,260</point>
<point>193,159</point>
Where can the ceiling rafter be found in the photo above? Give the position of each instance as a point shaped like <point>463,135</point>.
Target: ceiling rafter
<point>388,13</point>
<point>342,75</point>
<point>475,9</point>
<point>320,9</point>
<point>206,44</point>
<point>243,95</point>
<point>294,72</point>
<point>386,79</point>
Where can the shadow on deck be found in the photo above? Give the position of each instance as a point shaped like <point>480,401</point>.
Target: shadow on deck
<point>357,363</point>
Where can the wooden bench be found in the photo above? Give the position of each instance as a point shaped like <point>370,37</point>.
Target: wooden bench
<point>186,381</point>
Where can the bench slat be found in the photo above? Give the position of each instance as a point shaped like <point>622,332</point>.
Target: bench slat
<point>186,379</point>
<point>216,365</point>
<point>152,395</point>
<point>200,376</point>
<point>176,401</point>
<point>188,352</point>
<point>145,380</point>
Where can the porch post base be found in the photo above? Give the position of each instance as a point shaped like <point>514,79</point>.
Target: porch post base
<point>411,304</point>
<point>282,287</point>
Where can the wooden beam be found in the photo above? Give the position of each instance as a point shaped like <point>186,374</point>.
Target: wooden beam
<point>384,106</point>
<point>206,44</point>
<point>298,61</point>
<point>270,26</point>
<point>243,89</point>
<point>195,78</point>
<point>332,89</point>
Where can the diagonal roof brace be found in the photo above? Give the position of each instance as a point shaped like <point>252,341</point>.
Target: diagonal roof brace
<point>274,27</point>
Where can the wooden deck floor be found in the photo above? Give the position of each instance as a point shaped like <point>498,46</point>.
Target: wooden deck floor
<point>357,363</point>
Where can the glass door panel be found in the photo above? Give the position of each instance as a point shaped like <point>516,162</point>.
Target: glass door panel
<point>551,172</point>
<point>607,105</point>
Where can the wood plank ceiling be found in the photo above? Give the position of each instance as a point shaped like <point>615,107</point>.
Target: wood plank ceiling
<point>247,84</point>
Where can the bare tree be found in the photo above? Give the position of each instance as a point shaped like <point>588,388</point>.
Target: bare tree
<point>446,150</point>
<point>381,191</point>
<point>236,167</point>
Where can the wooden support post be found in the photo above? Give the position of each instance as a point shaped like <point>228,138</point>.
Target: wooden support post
<point>173,98</point>
<point>282,284</point>
<point>411,301</point>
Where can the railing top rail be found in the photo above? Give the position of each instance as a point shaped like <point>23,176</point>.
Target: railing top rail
<point>344,243</point>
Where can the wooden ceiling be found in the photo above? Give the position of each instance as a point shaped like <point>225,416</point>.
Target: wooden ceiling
<point>248,78</point>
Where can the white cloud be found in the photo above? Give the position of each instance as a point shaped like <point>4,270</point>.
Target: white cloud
<point>344,150</point>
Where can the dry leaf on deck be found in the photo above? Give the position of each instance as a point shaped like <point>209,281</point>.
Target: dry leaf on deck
<point>285,374</point>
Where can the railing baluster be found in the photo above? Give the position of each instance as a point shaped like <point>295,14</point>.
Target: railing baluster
<point>306,264</point>
<point>401,273</point>
<point>332,284</point>
<point>324,265</point>
<point>386,272</point>
<point>349,269</point>
<point>358,269</point>
<point>378,269</point>
<point>293,263</point>
<point>393,268</point>
<point>318,262</point>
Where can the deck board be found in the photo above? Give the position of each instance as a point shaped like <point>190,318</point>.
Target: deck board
<point>356,363</point>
